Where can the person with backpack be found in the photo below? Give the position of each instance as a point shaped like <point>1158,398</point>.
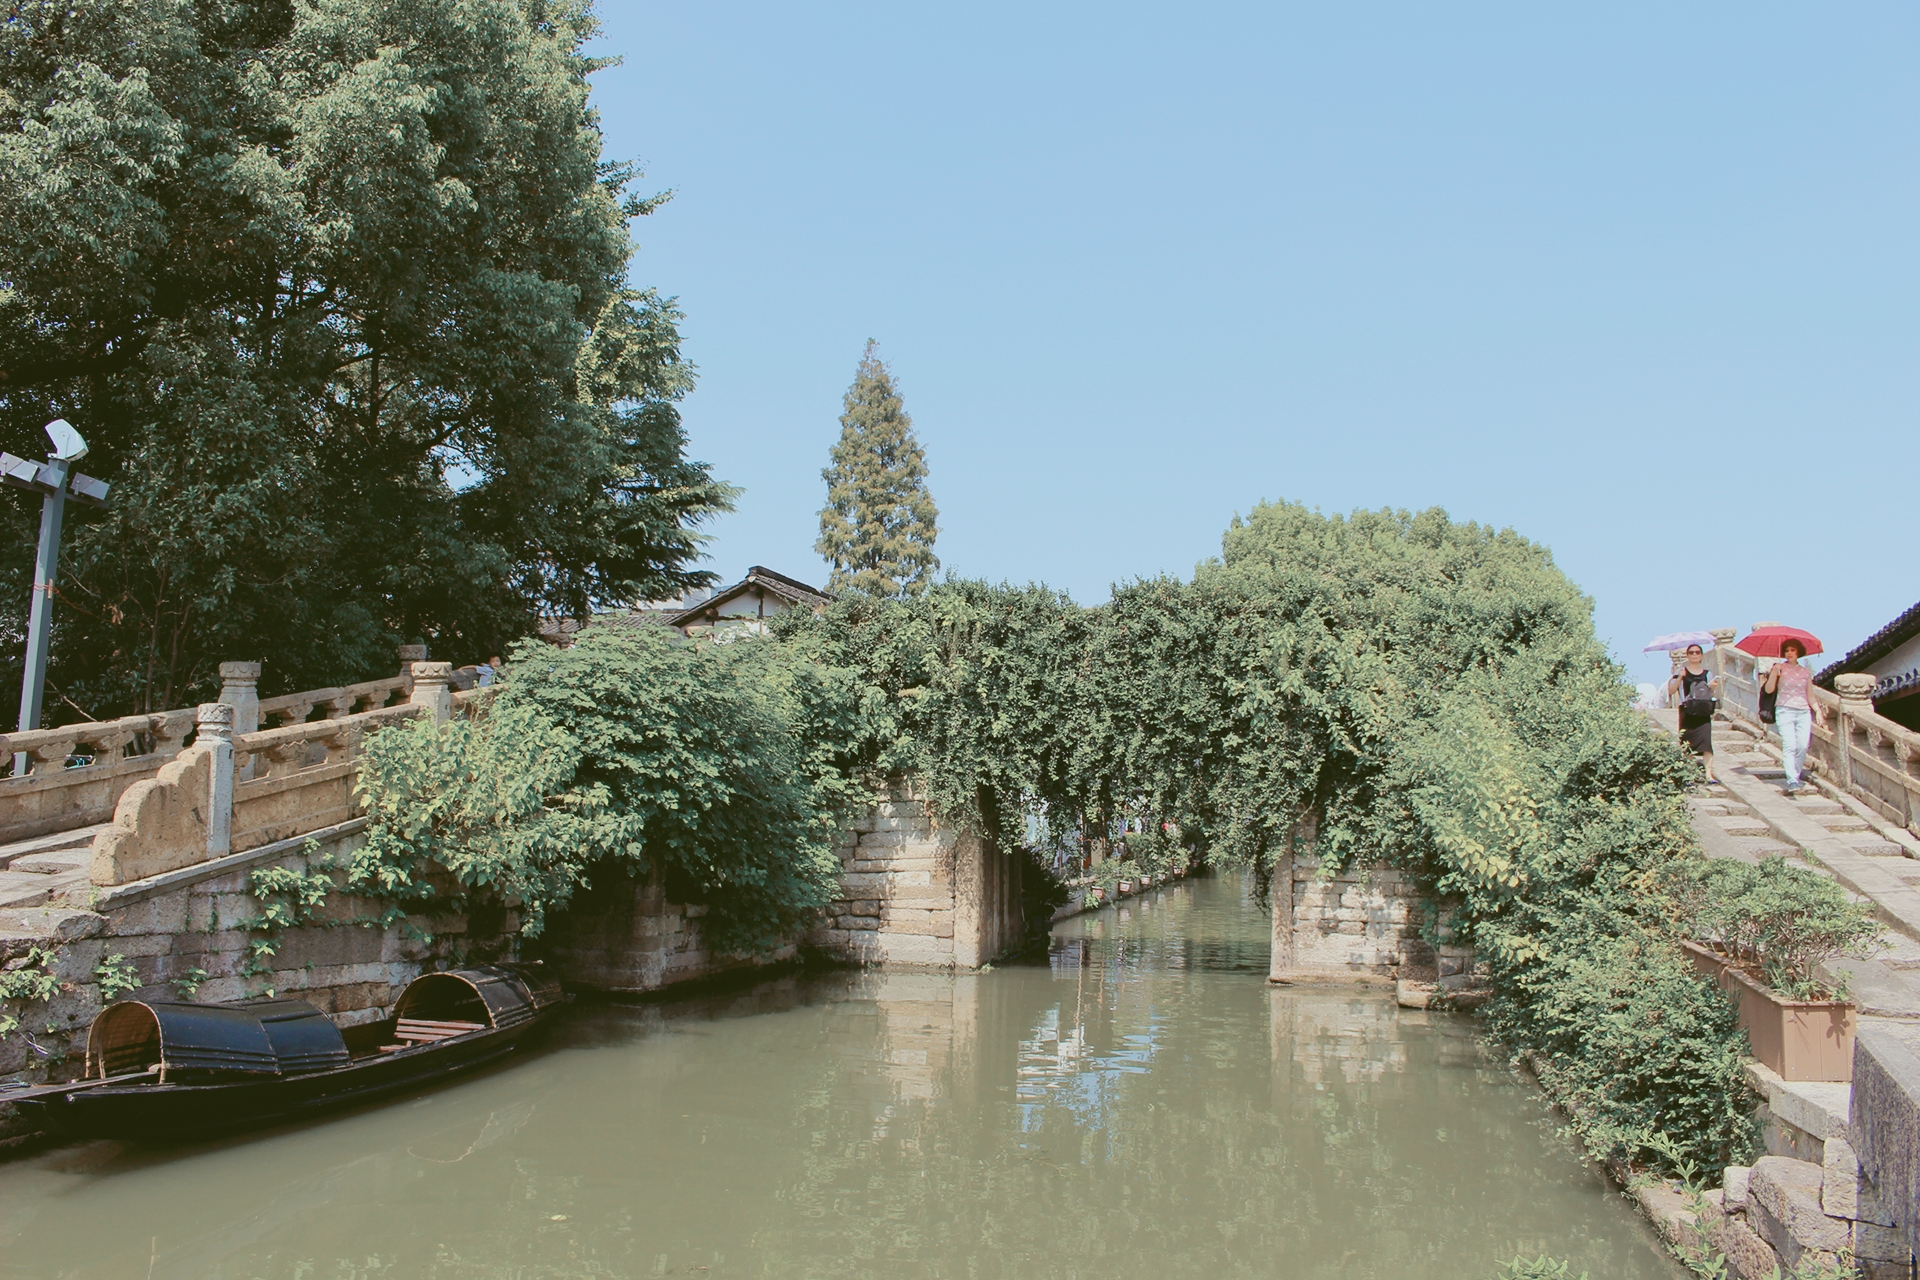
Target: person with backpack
<point>1696,687</point>
<point>1794,710</point>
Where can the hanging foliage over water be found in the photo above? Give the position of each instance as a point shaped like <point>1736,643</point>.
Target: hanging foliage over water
<point>1432,692</point>
<point>633,753</point>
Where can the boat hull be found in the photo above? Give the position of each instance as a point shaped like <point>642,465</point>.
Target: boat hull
<point>184,1112</point>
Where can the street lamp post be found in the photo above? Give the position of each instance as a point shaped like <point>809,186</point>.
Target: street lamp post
<point>56,481</point>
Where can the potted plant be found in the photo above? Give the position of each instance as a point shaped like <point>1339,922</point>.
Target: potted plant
<point>1762,934</point>
<point>1126,886</point>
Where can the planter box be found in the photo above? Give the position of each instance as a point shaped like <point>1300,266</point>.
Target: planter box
<point>1797,1039</point>
<point>1145,881</point>
<point>1099,895</point>
<point>1126,886</point>
<point>1710,964</point>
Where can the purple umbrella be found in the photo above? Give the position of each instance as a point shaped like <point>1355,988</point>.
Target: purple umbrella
<point>1679,640</point>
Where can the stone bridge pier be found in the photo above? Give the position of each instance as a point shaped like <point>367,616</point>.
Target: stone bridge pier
<point>918,892</point>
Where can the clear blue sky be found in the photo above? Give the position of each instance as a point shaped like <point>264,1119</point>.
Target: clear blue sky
<point>1636,280</point>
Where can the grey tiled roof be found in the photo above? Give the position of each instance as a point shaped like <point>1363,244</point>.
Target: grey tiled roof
<point>1874,647</point>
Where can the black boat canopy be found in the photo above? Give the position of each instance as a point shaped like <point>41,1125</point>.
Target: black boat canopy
<point>291,1037</point>
<point>487,994</point>
<point>268,1037</point>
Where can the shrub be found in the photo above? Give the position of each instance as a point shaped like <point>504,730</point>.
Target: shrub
<point>1777,918</point>
<point>718,767</point>
<point>1541,1268</point>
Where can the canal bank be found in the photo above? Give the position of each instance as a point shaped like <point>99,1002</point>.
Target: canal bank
<point>1141,1104</point>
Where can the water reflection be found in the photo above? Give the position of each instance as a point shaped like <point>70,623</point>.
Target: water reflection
<point>1141,1105</point>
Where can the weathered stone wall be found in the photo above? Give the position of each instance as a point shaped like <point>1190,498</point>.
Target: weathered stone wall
<point>1362,924</point>
<point>917,892</point>
<point>191,933</point>
<point>624,936</point>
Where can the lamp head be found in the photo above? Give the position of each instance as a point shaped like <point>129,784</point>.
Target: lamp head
<point>68,446</point>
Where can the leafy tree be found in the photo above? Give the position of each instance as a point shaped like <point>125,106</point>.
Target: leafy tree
<point>337,291</point>
<point>720,767</point>
<point>1432,693</point>
<point>878,527</point>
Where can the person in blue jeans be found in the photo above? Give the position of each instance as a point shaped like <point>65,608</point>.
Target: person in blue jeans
<point>1794,710</point>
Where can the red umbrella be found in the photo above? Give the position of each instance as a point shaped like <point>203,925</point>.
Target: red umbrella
<point>1766,641</point>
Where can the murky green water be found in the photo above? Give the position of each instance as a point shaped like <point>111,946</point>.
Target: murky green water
<point>1142,1106</point>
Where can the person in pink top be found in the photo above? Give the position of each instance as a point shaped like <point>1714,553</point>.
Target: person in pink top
<point>1794,711</point>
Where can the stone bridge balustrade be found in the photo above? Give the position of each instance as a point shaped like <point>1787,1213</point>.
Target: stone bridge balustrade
<point>51,797</point>
<point>1858,750</point>
<point>262,787</point>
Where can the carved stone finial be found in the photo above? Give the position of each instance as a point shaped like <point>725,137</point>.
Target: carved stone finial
<point>239,673</point>
<point>432,688</point>
<point>409,654</point>
<point>214,720</point>
<point>1855,686</point>
<point>1723,636</point>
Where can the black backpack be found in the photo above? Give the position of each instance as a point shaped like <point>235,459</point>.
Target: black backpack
<point>1696,692</point>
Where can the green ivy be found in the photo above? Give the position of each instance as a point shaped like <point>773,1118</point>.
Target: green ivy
<point>726,769</point>
<point>116,975</point>
<point>1431,693</point>
<point>27,979</point>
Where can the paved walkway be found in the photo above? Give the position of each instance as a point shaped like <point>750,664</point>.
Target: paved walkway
<point>40,879</point>
<point>1750,817</point>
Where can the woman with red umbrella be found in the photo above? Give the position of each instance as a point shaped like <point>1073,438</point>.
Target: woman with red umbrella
<point>1794,711</point>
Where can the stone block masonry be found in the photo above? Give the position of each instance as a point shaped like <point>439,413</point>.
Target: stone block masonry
<point>918,893</point>
<point>624,936</point>
<point>1360,925</point>
<point>192,933</point>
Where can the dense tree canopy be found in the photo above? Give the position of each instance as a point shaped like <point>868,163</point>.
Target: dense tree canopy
<point>879,525</point>
<point>337,290</point>
<point>720,767</point>
<point>1432,693</point>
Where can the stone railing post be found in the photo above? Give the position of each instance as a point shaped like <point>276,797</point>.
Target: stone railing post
<point>432,689</point>
<point>240,689</point>
<point>1722,646</point>
<point>410,654</point>
<point>215,725</point>
<point>1856,699</point>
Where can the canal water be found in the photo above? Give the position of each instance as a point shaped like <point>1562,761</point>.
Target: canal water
<point>1142,1105</point>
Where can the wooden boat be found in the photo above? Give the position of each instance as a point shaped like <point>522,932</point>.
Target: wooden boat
<point>164,1071</point>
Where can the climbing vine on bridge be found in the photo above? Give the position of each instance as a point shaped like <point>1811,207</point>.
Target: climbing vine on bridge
<point>728,770</point>
<point>1432,692</point>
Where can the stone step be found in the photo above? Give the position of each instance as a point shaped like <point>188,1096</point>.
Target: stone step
<point>77,838</point>
<point>1743,826</point>
<point>61,922</point>
<point>52,864</point>
<point>33,889</point>
<point>1899,952</point>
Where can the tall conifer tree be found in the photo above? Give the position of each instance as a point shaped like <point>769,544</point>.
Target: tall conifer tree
<point>878,526</point>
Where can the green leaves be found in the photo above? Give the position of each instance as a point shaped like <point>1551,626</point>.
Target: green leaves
<point>338,293</point>
<point>1781,918</point>
<point>879,525</point>
<point>722,769</point>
